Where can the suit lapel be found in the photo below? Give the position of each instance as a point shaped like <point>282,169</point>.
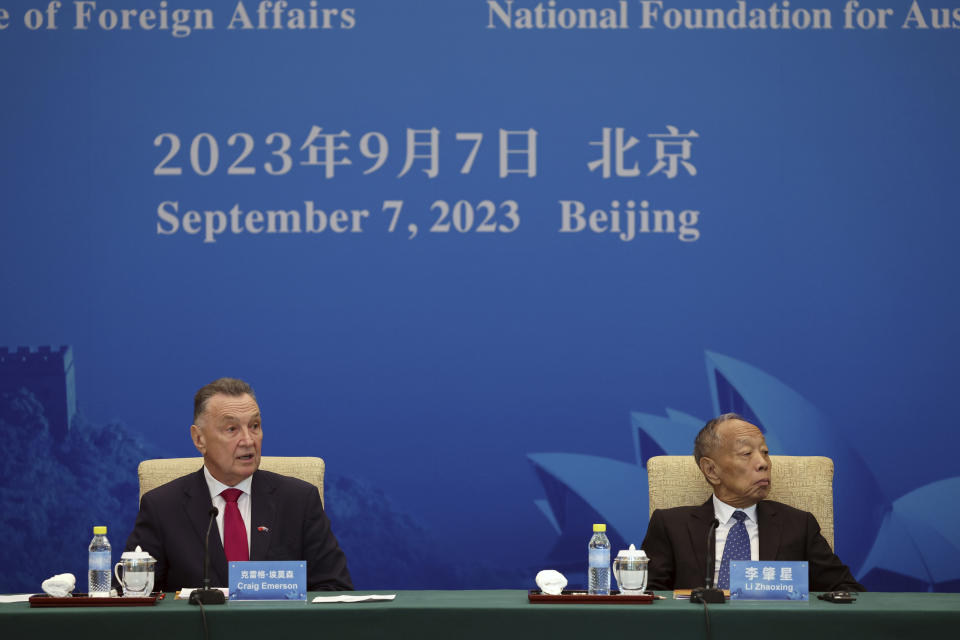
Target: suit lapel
<point>697,527</point>
<point>262,514</point>
<point>770,530</point>
<point>197,504</point>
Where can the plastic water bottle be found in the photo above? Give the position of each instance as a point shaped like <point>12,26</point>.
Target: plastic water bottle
<point>100,564</point>
<point>598,571</point>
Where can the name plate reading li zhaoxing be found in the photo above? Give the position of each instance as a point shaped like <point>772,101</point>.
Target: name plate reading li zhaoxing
<point>768,580</point>
<point>255,580</point>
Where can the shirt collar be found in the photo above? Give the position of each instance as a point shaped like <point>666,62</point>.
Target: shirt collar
<point>724,511</point>
<point>216,487</point>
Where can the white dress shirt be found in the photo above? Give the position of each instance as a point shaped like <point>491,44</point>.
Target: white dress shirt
<point>724,514</point>
<point>243,502</point>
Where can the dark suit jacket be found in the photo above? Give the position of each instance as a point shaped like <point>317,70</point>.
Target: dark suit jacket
<point>288,523</point>
<point>676,544</point>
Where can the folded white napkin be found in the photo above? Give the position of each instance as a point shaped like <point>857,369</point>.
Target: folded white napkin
<point>17,597</point>
<point>551,582</point>
<point>184,594</point>
<point>370,598</point>
<point>60,585</point>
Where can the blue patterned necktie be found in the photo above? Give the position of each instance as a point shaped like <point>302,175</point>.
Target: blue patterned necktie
<point>737,547</point>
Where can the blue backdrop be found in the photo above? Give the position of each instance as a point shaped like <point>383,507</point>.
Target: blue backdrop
<point>555,238</point>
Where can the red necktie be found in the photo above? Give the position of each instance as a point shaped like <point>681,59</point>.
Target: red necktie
<point>234,533</point>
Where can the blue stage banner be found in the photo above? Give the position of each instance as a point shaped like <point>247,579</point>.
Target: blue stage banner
<point>485,258</point>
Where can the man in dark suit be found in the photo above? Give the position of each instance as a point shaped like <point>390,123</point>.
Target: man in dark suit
<point>733,456</point>
<point>261,515</point>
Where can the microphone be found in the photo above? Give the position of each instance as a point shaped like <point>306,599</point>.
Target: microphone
<point>709,594</point>
<point>206,595</point>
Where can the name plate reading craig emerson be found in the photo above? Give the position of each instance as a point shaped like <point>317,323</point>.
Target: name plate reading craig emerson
<point>769,580</point>
<point>259,581</point>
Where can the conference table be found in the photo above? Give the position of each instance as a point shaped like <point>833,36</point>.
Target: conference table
<point>499,614</point>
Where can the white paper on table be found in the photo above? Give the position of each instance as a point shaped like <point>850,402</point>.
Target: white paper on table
<point>20,597</point>
<point>185,593</point>
<point>369,598</point>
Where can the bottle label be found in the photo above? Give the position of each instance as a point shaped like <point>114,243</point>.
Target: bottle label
<point>600,558</point>
<point>99,561</point>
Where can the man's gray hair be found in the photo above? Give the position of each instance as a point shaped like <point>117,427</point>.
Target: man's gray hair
<point>708,440</point>
<point>226,386</point>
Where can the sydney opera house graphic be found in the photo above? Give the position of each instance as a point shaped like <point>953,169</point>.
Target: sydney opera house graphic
<point>911,543</point>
